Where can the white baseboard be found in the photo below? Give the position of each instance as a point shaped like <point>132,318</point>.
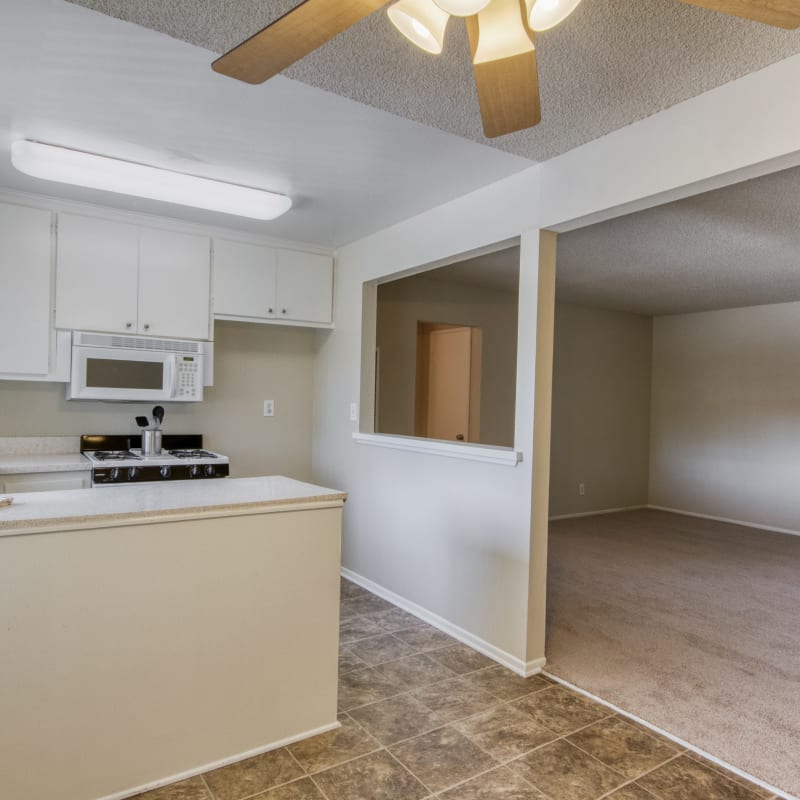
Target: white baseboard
<point>523,668</point>
<point>595,513</point>
<point>744,523</point>
<point>667,735</point>
<point>223,762</point>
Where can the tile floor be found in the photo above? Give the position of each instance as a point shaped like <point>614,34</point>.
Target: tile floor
<point>425,717</point>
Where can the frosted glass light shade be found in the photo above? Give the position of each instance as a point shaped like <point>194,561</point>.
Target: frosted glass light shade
<point>125,177</point>
<point>544,14</point>
<point>502,32</point>
<point>422,22</point>
<point>462,8</point>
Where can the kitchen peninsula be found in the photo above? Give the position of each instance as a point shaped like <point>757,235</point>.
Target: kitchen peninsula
<point>151,631</point>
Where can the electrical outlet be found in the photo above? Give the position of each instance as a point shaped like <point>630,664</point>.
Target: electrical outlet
<point>269,408</point>
<point>353,412</point>
<point>581,488</point>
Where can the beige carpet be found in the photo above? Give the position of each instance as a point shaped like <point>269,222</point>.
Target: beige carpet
<point>690,624</point>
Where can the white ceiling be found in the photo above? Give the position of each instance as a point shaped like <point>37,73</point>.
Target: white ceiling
<point>733,247</point>
<point>611,63</point>
<point>84,80</point>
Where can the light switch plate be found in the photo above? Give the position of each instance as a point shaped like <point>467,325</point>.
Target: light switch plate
<point>353,412</point>
<point>269,408</point>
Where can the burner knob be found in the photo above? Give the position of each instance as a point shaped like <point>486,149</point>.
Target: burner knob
<point>133,472</point>
<point>165,472</point>
<point>114,473</point>
<point>210,470</point>
<point>194,471</point>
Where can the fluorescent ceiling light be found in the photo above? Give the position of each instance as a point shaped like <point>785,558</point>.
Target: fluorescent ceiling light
<point>125,177</point>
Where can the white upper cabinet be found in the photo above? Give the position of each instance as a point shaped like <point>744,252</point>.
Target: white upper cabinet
<point>174,284</point>
<point>262,284</point>
<point>118,277</point>
<point>25,302</point>
<point>305,286</point>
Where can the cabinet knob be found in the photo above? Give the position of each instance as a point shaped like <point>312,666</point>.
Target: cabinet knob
<point>269,310</point>
<point>283,311</point>
<point>147,327</point>
<point>128,324</point>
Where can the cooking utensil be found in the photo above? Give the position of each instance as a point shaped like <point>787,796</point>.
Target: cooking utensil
<point>158,415</point>
<point>142,422</point>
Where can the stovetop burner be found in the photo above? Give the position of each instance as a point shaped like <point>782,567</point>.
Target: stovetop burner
<point>192,454</point>
<point>116,455</point>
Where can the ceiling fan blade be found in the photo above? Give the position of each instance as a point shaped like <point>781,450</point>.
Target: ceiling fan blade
<point>508,85</point>
<point>292,36</point>
<point>780,13</point>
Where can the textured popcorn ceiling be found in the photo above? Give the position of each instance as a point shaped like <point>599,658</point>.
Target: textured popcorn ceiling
<point>737,246</point>
<point>612,63</point>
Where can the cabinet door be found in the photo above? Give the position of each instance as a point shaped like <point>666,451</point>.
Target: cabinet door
<point>25,290</point>
<point>96,274</point>
<point>174,284</point>
<point>46,481</point>
<point>305,286</point>
<point>244,279</point>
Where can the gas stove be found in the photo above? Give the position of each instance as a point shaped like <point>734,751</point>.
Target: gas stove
<point>118,460</point>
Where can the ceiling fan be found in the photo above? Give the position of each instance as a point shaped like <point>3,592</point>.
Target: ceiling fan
<point>501,36</point>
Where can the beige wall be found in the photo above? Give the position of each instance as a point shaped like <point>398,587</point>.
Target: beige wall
<point>601,410</point>
<point>252,363</point>
<point>403,303</point>
<point>726,414</point>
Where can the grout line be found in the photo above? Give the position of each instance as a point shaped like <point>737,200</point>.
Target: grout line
<point>208,788</point>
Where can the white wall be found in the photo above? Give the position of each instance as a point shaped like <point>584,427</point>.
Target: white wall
<point>726,414</point>
<point>252,363</point>
<point>456,536</point>
<point>601,410</point>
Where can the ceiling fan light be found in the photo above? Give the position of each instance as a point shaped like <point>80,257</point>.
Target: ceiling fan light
<point>545,14</point>
<point>502,32</point>
<point>422,22</point>
<point>75,167</point>
<point>462,8</point>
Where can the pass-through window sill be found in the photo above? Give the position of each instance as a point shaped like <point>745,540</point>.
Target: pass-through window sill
<point>504,456</point>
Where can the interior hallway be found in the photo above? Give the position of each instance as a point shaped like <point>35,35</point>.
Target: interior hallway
<point>690,624</point>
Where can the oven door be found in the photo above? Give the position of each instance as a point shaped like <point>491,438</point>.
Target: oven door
<point>100,373</point>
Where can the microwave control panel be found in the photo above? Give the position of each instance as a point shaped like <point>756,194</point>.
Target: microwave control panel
<point>190,380</point>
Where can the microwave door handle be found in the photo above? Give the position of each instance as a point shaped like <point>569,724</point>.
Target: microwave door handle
<point>173,376</point>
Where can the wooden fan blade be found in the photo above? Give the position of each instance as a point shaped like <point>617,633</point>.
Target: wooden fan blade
<point>292,36</point>
<point>780,13</point>
<point>508,87</point>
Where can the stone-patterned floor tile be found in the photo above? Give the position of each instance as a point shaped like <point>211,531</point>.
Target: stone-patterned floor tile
<point>499,784</point>
<point>374,777</point>
<point>397,718</point>
<point>460,659</point>
<point>378,649</point>
<point>348,661</point>
<point>504,732</point>
<point>304,789</point>
<point>395,619</point>
<point>191,789</point>
<point>624,748</point>
<point>351,630</point>
<point>631,792</point>
<point>414,672</point>
<point>328,749</point>
<point>505,684</point>
<point>756,790</point>
<point>253,775</point>
<point>348,590</point>
<point>564,772</point>
<point>442,758</point>
<point>425,638</point>
<point>454,699</point>
<point>367,604</point>
<point>364,686</point>
<point>561,710</point>
<point>687,779</point>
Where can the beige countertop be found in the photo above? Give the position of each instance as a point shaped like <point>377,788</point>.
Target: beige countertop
<point>33,512</point>
<point>11,464</point>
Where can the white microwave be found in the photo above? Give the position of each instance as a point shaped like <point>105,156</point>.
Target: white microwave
<point>107,366</point>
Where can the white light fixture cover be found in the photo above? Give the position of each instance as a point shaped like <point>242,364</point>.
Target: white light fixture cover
<point>502,32</point>
<point>462,8</point>
<point>545,14</point>
<point>422,22</point>
<point>125,177</point>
